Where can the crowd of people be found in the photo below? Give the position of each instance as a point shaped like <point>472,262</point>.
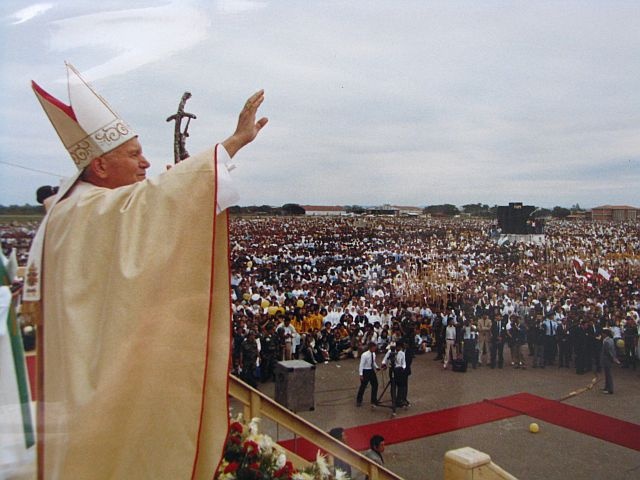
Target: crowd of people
<point>18,236</point>
<point>324,289</point>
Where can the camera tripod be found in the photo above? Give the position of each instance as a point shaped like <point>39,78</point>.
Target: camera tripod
<point>393,390</point>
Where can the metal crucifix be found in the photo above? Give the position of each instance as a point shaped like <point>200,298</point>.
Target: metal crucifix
<point>180,136</point>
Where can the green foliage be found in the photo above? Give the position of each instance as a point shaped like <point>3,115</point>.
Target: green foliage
<point>356,209</point>
<point>479,210</point>
<point>541,212</point>
<point>446,209</point>
<point>25,209</point>
<point>560,212</point>
<point>254,210</point>
<point>292,209</point>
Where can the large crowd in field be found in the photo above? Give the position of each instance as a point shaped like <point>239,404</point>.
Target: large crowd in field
<point>322,288</point>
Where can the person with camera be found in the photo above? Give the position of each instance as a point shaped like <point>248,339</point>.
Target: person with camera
<point>395,361</point>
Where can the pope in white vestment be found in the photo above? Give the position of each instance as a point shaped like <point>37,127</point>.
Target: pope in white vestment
<point>135,299</point>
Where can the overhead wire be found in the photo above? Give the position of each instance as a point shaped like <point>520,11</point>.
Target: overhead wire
<point>31,169</point>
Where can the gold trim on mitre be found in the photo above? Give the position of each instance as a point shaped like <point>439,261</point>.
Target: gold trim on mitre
<point>88,127</point>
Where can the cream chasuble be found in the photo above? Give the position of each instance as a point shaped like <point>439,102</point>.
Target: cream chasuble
<point>136,329</point>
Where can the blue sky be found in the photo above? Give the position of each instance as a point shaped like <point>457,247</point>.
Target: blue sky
<point>370,102</point>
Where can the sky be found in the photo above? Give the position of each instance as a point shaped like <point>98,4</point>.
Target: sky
<point>369,102</point>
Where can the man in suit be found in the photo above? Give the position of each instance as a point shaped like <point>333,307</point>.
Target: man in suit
<point>564,344</point>
<point>608,359</point>
<point>498,331</point>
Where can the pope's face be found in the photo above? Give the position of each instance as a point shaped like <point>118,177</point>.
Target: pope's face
<point>126,164</point>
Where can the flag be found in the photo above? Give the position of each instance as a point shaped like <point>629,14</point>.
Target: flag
<point>579,277</point>
<point>17,434</point>
<point>577,263</point>
<point>604,273</point>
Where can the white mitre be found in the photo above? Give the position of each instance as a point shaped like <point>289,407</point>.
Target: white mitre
<point>88,128</point>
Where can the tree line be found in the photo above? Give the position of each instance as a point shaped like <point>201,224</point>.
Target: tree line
<point>447,210</point>
<point>22,210</point>
<point>485,211</point>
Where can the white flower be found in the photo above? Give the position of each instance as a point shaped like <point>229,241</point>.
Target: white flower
<point>302,476</point>
<point>253,425</point>
<point>282,459</point>
<point>265,442</point>
<point>341,474</point>
<point>323,467</point>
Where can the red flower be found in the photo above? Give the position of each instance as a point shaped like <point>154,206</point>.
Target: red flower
<point>250,448</point>
<point>236,440</point>
<point>286,471</point>
<point>236,427</point>
<point>254,466</point>
<point>232,467</point>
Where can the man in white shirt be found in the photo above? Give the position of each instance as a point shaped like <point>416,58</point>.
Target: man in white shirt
<point>450,348</point>
<point>290,335</point>
<point>396,360</point>
<point>367,371</point>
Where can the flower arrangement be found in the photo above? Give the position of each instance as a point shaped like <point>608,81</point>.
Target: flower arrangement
<point>249,455</point>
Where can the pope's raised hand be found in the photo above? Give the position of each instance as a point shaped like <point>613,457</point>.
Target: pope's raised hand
<point>247,128</point>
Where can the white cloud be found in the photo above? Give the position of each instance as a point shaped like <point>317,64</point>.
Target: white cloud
<point>369,101</point>
<point>30,12</point>
<point>130,39</point>
<point>238,6</point>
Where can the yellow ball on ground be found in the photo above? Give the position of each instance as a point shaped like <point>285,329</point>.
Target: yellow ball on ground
<point>534,428</point>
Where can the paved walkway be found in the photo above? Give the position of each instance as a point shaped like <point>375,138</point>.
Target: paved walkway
<point>553,453</point>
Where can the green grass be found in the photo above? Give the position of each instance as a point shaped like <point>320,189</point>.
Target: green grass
<point>5,219</point>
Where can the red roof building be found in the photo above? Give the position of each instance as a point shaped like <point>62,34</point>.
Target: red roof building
<point>614,213</point>
<point>316,210</point>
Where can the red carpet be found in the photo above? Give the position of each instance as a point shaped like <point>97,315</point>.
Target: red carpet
<point>404,429</point>
<point>433,423</point>
<point>423,425</point>
<point>578,419</point>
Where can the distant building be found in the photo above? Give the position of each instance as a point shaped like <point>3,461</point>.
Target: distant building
<point>410,211</point>
<point>614,213</point>
<point>383,210</point>
<point>578,216</point>
<point>319,211</point>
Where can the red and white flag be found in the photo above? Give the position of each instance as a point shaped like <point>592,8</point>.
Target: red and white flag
<point>604,273</point>
<point>580,277</point>
<point>588,273</point>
